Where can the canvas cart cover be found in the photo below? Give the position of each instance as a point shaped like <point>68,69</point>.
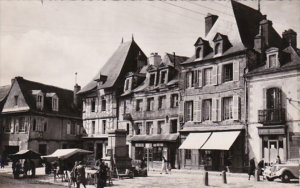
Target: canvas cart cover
<point>66,153</point>
<point>26,154</point>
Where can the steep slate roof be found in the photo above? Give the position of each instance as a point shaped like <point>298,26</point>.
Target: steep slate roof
<point>4,90</point>
<point>240,26</point>
<point>114,66</point>
<point>66,106</point>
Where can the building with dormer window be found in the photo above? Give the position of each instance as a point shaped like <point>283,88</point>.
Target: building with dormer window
<point>34,113</point>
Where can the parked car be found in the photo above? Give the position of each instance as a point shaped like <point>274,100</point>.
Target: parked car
<point>285,171</point>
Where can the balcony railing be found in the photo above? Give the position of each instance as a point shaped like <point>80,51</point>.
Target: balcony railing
<point>271,116</point>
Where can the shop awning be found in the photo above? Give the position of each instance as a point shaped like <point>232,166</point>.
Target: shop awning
<point>66,153</point>
<point>221,140</point>
<point>195,140</point>
<point>155,138</point>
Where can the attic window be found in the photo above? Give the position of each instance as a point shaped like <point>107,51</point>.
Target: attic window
<point>218,48</point>
<point>152,79</point>
<point>163,78</point>
<point>16,100</point>
<point>126,84</point>
<point>198,52</point>
<point>55,104</point>
<point>272,60</point>
<point>39,102</point>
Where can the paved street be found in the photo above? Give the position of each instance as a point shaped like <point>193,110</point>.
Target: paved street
<point>155,180</point>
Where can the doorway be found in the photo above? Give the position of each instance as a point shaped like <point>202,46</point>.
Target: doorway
<point>272,149</point>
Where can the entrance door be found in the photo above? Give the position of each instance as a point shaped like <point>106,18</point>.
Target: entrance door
<point>99,150</point>
<point>272,149</point>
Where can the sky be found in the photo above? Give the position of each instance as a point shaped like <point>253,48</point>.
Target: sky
<point>49,40</point>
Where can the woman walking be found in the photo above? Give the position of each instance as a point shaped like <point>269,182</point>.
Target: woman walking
<point>251,170</point>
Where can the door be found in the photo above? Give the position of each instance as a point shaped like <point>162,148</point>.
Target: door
<point>272,149</point>
<point>99,150</point>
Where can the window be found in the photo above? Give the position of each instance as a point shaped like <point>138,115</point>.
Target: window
<point>207,76</point>
<point>21,124</point>
<point>163,75</point>
<point>16,100</point>
<point>188,154</point>
<point>127,128</point>
<point>174,100</point>
<point>39,103</point>
<point>104,126</point>
<point>161,102</point>
<point>93,127</point>
<point>173,128</point>
<point>8,125</point>
<point>273,98</point>
<point>152,79</point>
<point>139,103</point>
<point>189,110</point>
<point>55,104</point>
<point>149,129</point>
<point>124,107</point>
<point>45,126</point>
<point>227,108</point>
<point>103,104</point>
<point>73,128</point>
<point>139,152</point>
<point>150,104</point>
<point>160,124</point>
<point>272,61</point>
<point>228,72</point>
<point>138,128</point>
<point>189,79</point>
<point>218,48</point>
<point>198,52</point>
<point>157,151</point>
<point>126,84</point>
<point>207,110</point>
<point>93,105</point>
<point>34,128</point>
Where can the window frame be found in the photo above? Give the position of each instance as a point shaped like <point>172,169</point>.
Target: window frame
<point>139,105</point>
<point>152,78</point>
<point>188,154</point>
<point>207,110</point>
<point>205,79</point>
<point>227,76</point>
<point>162,102</point>
<point>150,104</point>
<point>174,100</point>
<point>227,107</point>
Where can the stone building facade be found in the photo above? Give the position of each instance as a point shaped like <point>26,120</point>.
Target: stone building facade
<point>274,102</point>
<point>40,117</point>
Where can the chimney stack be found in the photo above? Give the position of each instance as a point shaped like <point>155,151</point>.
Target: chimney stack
<point>154,59</point>
<point>265,31</point>
<point>290,38</point>
<point>75,96</point>
<point>210,20</point>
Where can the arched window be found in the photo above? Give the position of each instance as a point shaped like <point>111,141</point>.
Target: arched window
<point>198,52</point>
<point>274,98</point>
<point>218,49</point>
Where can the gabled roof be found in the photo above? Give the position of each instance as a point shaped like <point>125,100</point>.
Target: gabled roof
<point>4,90</point>
<point>121,59</point>
<point>66,106</point>
<point>176,59</point>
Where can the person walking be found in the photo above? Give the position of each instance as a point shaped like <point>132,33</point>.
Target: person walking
<point>101,174</point>
<point>32,168</point>
<point>251,170</point>
<point>163,165</point>
<point>260,168</point>
<point>278,160</point>
<point>80,175</point>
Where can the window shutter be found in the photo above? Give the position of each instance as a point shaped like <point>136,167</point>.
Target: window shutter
<point>219,109</point>
<point>68,128</point>
<point>197,111</point>
<point>196,78</point>
<point>214,112</point>
<point>215,75</point>
<point>183,80</point>
<point>264,98</point>
<point>200,76</point>
<point>235,107</point>
<point>193,79</point>
<point>236,71</point>
<point>220,74</point>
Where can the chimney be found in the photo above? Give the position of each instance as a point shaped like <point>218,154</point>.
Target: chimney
<point>210,20</point>
<point>140,61</point>
<point>265,30</point>
<point>154,59</point>
<point>75,96</point>
<point>290,38</point>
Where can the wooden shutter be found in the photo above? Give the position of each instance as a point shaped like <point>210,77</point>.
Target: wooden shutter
<point>215,75</point>
<point>200,76</point>
<point>68,128</point>
<point>220,74</point>
<point>197,110</point>
<point>196,78</point>
<point>236,71</point>
<point>219,109</point>
<point>214,109</point>
<point>235,107</point>
<point>193,78</point>
<point>264,98</point>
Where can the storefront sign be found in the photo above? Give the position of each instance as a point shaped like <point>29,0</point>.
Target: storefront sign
<point>148,145</point>
<point>271,131</point>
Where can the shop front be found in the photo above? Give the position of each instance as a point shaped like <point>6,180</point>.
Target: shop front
<point>213,151</point>
<point>152,148</point>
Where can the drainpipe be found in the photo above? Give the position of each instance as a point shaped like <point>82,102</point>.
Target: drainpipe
<point>246,112</point>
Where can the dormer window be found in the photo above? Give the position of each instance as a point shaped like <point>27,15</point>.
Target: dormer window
<point>55,103</point>
<point>221,44</point>
<point>152,79</point>
<point>272,58</point>
<point>198,52</point>
<point>16,97</point>
<point>202,48</point>
<point>127,85</point>
<point>39,101</point>
<point>163,77</point>
<point>218,48</point>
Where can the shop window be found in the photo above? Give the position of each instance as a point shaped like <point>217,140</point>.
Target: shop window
<point>188,154</point>
<point>228,72</point>
<point>174,100</point>
<point>227,108</point>
<point>207,110</point>
<point>139,153</point>
<point>157,152</point>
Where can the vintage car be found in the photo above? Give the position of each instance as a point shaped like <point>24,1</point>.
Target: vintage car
<point>284,171</point>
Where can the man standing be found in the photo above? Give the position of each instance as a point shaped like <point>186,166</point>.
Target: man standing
<point>101,174</point>
<point>80,175</point>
